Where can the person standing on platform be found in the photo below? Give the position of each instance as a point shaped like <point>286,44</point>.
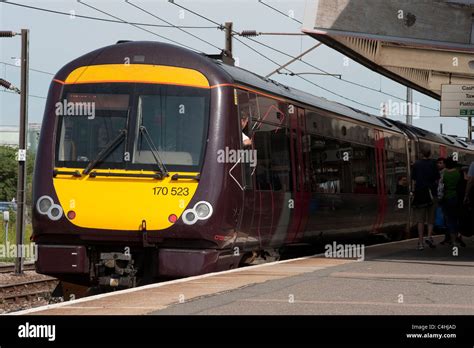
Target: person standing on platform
<point>464,211</point>
<point>470,186</point>
<point>425,177</point>
<point>440,220</point>
<point>451,180</point>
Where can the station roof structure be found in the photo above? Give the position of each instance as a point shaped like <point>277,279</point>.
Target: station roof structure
<point>422,44</point>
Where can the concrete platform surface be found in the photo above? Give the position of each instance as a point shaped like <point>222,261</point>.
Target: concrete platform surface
<point>394,279</point>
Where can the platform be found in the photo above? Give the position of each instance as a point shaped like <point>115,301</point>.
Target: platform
<point>394,279</point>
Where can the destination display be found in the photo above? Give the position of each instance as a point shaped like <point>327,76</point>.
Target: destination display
<point>457,100</point>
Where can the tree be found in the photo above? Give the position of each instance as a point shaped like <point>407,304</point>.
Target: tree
<point>9,173</point>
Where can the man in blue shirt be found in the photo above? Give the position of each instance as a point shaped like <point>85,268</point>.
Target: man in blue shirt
<point>425,177</point>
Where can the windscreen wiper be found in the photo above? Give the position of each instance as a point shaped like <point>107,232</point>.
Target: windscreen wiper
<point>154,151</point>
<point>109,147</point>
<point>178,176</point>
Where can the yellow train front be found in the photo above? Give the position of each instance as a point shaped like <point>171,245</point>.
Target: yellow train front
<point>127,183</point>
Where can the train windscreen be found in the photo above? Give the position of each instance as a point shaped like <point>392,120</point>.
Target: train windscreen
<point>127,126</point>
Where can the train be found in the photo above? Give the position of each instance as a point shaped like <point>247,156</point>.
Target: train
<point>155,161</point>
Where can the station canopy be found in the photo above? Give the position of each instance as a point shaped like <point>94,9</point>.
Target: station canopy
<point>422,44</point>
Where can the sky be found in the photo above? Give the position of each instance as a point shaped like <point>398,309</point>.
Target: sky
<point>57,39</point>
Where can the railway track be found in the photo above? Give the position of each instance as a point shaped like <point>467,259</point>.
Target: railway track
<point>25,291</point>
<point>28,266</point>
<point>23,294</point>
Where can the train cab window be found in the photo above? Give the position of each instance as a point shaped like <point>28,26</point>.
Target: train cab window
<point>175,121</point>
<point>84,132</point>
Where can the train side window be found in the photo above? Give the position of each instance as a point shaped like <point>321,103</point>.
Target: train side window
<point>363,170</point>
<point>397,173</point>
<point>253,105</point>
<point>272,111</point>
<point>330,165</point>
<point>243,106</point>
<point>280,160</point>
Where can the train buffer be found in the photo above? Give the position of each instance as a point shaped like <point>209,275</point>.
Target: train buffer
<point>392,278</point>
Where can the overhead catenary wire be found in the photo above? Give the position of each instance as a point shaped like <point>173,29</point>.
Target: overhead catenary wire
<point>217,26</point>
<point>334,75</point>
<point>309,81</point>
<point>137,26</point>
<point>277,10</point>
<point>347,81</point>
<point>29,95</point>
<point>301,60</point>
<point>73,15</point>
<point>273,61</point>
<point>35,70</point>
<point>171,24</point>
<point>259,53</point>
<point>248,33</point>
<point>196,14</point>
<point>337,94</point>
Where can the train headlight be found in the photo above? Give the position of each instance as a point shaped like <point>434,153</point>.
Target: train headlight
<point>44,204</point>
<point>203,210</point>
<point>189,217</point>
<point>55,212</point>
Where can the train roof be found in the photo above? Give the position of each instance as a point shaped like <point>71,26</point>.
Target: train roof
<point>440,138</point>
<point>251,79</point>
<point>248,78</point>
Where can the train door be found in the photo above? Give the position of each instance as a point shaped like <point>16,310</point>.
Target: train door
<point>300,179</point>
<point>245,110</point>
<point>272,172</point>
<point>380,167</point>
<point>443,151</point>
<point>262,224</point>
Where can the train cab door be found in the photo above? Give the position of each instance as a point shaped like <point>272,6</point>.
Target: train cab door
<point>300,179</point>
<point>244,102</point>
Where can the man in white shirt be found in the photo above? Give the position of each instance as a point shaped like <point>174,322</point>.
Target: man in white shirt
<point>244,120</point>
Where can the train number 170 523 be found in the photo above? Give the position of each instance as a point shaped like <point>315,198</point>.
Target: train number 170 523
<point>173,191</point>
